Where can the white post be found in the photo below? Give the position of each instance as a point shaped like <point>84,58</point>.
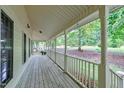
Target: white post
<point>45,46</point>
<point>50,48</point>
<point>65,57</point>
<point>31,47</point>
<point>55,50</point>
<point>123,83</point>
<point>103,79</point>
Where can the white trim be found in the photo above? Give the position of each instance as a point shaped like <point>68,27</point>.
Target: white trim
<point>61,33</point>
<point>14,81</point>
<point>65,57</point>
<point>103,72</point>
<point>87,19</point>
<point>115,7</point>
<point>84,21</point>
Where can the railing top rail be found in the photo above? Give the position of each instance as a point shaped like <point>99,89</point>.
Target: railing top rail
<point>83,59</point>
<point>116,74</point>
<point>52,50</point>
<point>60,52</point>
<point>80,58</point>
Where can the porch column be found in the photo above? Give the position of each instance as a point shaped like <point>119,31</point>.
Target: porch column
<point>31,47</point>
<point>50,48</point>
<point>65,57</point>
<point>45,45</point>
<point>103,79</point>
<point>55,50</point>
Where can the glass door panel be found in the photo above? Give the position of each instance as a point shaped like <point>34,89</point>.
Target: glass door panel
<point>6,41</point>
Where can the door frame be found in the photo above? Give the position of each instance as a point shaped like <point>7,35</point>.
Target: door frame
<point>12,45</point>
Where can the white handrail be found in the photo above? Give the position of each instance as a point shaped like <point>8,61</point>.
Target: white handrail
<point>116,80</point>
<point>84,59</point>
<point>78,68</point>
<point>82,71</point>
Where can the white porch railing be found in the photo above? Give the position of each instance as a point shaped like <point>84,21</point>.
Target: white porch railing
<point>117,81</point>
<point>52,55</point>
<point>60,59</point>
<point>83,71</point>
<point>48,52</point>
<point>56,57</point>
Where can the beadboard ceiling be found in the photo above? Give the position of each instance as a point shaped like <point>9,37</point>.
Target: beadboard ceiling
<point>52,19</point>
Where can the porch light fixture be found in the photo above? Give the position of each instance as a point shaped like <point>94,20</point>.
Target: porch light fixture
<point>28,25</point>
<point>40,32</point>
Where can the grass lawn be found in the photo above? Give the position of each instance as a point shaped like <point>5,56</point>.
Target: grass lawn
<point>96,48</point>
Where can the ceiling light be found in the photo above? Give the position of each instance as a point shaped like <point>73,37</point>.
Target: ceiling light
<point>40,32</point>
<point>28,26</point>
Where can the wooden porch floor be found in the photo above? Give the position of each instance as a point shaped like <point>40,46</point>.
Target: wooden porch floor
<point>43,73</point>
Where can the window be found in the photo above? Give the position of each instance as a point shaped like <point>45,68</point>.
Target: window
<point>24,48</point>
<point>29,46</point>
<point>6,40</point>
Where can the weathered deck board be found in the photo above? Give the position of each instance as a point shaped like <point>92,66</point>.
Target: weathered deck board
<point>43,73</point>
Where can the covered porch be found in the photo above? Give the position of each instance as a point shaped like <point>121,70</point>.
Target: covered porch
<point>54,69</point>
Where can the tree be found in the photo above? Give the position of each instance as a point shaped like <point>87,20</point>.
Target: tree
<point>72,38</point>
<point>116,28</point>
<point>89,34</point>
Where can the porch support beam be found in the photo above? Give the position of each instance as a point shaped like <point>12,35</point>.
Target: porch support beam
<point>31,47</point>
<point>55,50</point>
<point>50,48</point>
<point>103,68</point>
<point>65,51</point>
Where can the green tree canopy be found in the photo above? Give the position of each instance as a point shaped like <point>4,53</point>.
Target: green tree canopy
<point>89,34</point>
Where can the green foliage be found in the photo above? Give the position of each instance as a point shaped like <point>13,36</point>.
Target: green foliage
<point>72,38</point>
<point>116,28</point>
<point>89,34</point>
<point>60,40</point>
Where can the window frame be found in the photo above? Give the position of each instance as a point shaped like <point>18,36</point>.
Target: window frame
<point>10,60</point>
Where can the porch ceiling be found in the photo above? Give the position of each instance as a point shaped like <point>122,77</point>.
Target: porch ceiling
<point>52,19</point>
